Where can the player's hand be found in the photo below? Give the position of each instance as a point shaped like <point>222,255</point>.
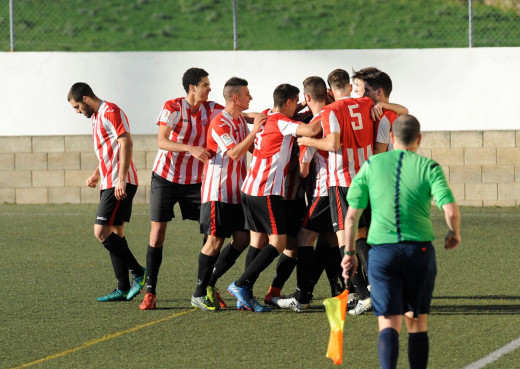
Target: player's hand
<point>303,141</point>
<point>376,112</point>
<point>92,181</point>
<point>452,240</point>
<point>199,153</point>
<point>349,265</point>
<point>120,190</point>
<point>259,121</point>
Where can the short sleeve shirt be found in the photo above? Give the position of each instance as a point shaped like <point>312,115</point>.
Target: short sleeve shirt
<point>400,185</point>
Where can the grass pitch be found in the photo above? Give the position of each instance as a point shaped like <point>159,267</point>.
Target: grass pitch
<point>53,269</point>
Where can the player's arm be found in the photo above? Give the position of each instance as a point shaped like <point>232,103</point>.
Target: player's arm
<point>126,147</point>
<point>452,216</point>
<point>331,142</point>
<point>236,152</point>
<point>250,117</point>
<point>349,262</point>
<point>304,169</point>
<point>164,143</point>
<point>309,130</point>
<point>376,112</point>
<point>94,178</point>
<point>380,147</point>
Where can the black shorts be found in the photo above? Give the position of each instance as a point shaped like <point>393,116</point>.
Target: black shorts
<point>317,217</point>
<point>339,206</point>
<point>114,212</point>
<point>165,194</point>
<point>265,214</point>
<point>221,219</point>
<point>294,210</point>
<point>402,277</point>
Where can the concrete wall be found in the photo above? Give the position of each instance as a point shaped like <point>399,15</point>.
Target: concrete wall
<point>483,167</point>
<point>465,99</point>
<point>447,89</point>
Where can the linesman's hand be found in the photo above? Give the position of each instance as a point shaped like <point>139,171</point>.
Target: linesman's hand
<point>452,240</point>
<point>349,265</point>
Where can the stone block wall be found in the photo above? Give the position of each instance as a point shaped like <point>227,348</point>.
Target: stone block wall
<point>483,167</point>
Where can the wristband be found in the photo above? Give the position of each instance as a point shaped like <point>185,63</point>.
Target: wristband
<point>350,253</point>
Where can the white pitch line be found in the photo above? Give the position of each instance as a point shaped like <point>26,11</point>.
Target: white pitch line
<point>495,355</point>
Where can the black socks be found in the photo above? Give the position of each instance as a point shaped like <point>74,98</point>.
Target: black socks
<point>153,263</point>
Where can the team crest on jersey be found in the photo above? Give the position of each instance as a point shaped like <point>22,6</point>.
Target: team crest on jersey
<point>204,121</point>
<point>226,138</point>
<point>164,116</point>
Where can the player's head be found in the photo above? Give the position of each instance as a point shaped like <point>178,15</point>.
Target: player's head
<point>339,83</point>
<point>237,92</point>
<point>316,88</point>
<point>406,130</point>
<point>378,86</point>
<point>80,97</point>
<point>285,98</point>
<point>358,79</point>
<point>195,81</point>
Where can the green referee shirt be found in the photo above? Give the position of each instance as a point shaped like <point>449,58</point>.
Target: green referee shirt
<point>400,185</point>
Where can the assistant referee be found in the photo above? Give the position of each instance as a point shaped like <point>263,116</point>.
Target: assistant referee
<point>400,185</point>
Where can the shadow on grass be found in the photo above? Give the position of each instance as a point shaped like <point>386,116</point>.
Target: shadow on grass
<point>494,305</point>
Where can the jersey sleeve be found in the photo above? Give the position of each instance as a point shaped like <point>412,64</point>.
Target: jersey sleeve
<point>357,195</point>
<point>306,154</point>
<point>288,128</point>
<point>383,130</point>
<point>439,186</point>
<point>170,115</point>
<point>329,122</point>
<point>223,136</point>
<point>118,121</point>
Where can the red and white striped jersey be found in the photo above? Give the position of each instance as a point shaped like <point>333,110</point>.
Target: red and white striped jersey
<point>350,117</point>
<point>189,129</point>
<point>269,164</point>
<point>223,176</point>
<point>383,127</point>
<point>108,124</point>
<point>319,159</point>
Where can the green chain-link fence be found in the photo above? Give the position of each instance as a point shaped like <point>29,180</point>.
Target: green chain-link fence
<point>116,25</point>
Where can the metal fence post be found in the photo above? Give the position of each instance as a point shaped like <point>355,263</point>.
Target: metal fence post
<point>470,22</point>
<point>11,22</point>
<point>235,26</point>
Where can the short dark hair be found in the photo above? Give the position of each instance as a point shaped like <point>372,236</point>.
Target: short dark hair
<point>192,77</point>
<point>381,80</point>
<point>78,90</point>
<point>316,87</point>
<point>338,79</point>
<point>232,86</point>
<point>283,93</point>
<point>406,129</point>
<point>364,72</point>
